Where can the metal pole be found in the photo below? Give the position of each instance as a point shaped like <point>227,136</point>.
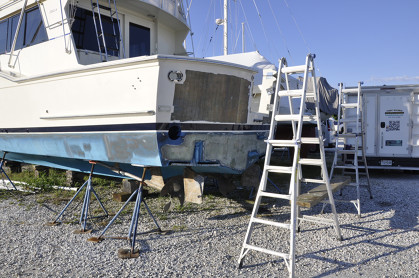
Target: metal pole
<point>243,50</point>
<point>225,27</point>
<point>22,12</point>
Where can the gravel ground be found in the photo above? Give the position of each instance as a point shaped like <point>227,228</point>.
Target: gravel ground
<point>206,242</point>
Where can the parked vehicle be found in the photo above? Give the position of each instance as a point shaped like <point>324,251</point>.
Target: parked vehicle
<point>391,124</point>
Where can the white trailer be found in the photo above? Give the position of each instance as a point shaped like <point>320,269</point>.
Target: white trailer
<point>391,124</point>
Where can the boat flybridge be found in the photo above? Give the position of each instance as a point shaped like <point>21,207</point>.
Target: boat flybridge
<point>110,81</point>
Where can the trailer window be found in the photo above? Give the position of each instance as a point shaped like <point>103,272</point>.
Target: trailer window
<point>139,40</point>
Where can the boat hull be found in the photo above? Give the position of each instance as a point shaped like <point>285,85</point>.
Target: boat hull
<point>132,112</point>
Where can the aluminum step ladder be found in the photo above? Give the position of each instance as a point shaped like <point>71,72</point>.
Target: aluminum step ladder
<point>102,35</point>
<point>296,119</point>
<point>350,144</point>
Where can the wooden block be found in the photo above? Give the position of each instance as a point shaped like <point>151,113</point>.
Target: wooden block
<point>319,193</point>
<point>193,186</point>
<point>122,197</point>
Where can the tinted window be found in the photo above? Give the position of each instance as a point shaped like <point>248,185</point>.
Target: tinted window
<point>32,31</point>
<point>35,31</point>
<point>85,37</point>
<point>139,40</point>
<point>3,36</point>
<point>13,21</point>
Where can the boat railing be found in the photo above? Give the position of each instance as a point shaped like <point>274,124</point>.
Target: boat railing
<point>22,13</point>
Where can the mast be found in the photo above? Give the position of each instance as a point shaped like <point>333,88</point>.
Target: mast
<point>243,50</point>
<point>225,27</point>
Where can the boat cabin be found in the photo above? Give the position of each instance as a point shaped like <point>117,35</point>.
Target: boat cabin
<point>63,34</point>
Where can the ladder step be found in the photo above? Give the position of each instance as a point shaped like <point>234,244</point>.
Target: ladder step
<point>271,223</point>
<point>264,250</point>
<point>349,105</point>
<point>348,120</point>
<point>294,117</point>
<point>310,140</point>
<point>311,161</point>
<point>275,195</point>
<point>354,90</point>
<point>346,167</point>
<point>293,143</point>
<point>313,180</point>
<point>294,69</point>
<point>294,93</point>
<point>347,151</point>
<point>350,135</point>
<point>278,169</point>
<point>282,143</point>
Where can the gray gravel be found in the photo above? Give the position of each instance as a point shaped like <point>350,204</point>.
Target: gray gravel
<point>206,243</point>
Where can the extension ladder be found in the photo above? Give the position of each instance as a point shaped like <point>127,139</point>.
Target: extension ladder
<point>296,119</point>
<point>350,144</point>
<point>101,34</point>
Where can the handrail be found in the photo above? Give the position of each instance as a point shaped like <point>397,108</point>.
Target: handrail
<point>17,32</point>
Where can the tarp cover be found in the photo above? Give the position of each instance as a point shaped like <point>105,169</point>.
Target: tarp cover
<point>328,96</point>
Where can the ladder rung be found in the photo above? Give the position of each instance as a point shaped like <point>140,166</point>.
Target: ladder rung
<point>294,69</point>
<point>271,223</point>
<point>275,195</point>
<point>292,143</point>
<point>311,161</point>
<point>353,184</point>
<point>294,93</point>
<point>282,143</point>
<point>345,167</point>
<point>278,169</point>
<point>313,181</point>
<point>295,117</point>
<point>351,135</point>
<point>348,120</point>
<point>348,151</point>
<point>345,91</point>
<point>310,140</point>
<point>291,93</point>
<point>349,105</point>
<point>264,250</point>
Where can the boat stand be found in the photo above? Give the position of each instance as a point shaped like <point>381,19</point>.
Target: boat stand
<point>86,202</point>
<point>132,232</point>
<point>4,172</point>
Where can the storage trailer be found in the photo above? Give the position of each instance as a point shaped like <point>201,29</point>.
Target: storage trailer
<point>391,122</point>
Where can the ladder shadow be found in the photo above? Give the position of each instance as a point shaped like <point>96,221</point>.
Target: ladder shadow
<point>342,265</point>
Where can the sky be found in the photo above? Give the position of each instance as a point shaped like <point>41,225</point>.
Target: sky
<point>373,41</point>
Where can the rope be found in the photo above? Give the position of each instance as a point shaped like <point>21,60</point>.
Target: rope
<point>296,24</point>
<point>280,30</point>
<point>264,31</point>
<point>248,26</point>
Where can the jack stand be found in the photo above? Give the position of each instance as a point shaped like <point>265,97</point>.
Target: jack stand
<point>86,202</point>
<point>4,172</point>
<point>132,233</point>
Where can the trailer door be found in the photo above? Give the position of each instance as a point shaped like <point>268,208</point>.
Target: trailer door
<point>394,128</point>
<point>370,123</point>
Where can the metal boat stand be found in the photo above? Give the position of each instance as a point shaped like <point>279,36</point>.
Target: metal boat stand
<point>86,203</point>
<point>4,172</point>
<point>132,232</point>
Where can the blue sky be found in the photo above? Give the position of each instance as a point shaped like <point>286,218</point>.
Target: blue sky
<point>374,41</point>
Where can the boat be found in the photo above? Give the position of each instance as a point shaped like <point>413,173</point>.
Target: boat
<point>111,82</point>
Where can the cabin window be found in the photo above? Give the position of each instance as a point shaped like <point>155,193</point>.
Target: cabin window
<point>85,36</point>
<point>3,36</point>
<point>32,31</point>
<point>139,40</point>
